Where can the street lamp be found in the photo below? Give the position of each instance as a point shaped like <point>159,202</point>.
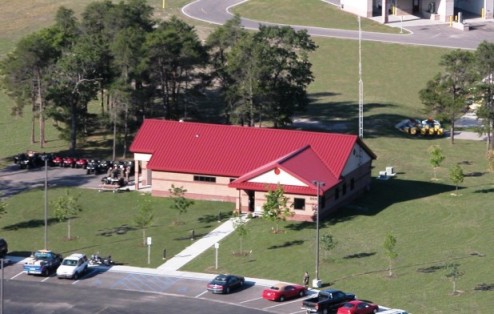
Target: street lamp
<point>316,283</point>
<point>46,200</point>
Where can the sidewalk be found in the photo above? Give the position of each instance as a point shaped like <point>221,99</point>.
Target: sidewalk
<point>171,267</point>
<point>197,247</point>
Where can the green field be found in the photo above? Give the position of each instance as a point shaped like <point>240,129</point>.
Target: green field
<point>432,226</point>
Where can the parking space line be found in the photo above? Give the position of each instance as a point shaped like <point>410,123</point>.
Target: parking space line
<point>280,304</point>
<point>250,300</point>
<point>17,275</point>
<point>45,279</point>
<point>201,294</point>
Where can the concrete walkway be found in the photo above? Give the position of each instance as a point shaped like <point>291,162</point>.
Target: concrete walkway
<point>198,247</point>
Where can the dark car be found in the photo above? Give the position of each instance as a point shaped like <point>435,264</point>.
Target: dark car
<point>4,248</point>
<point>225,283</point>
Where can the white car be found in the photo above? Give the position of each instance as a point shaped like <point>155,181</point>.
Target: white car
<point>73,266</point>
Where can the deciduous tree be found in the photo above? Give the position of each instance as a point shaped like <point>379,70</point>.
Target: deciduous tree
<point>145,216</point>
<point>436,158</point>
<point>180,203</point>
<point>276,208</point>
<point>456,176</point>
<point>453,273</point>
<point>389,246</point>
<point>445,95</point>
<point>67,207</point>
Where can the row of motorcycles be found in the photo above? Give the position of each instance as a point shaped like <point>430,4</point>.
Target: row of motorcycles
<point>97,260</point>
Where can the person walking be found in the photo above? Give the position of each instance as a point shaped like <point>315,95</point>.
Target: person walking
<point>306,279</point>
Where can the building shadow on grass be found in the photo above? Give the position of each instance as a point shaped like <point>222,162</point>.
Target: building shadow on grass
<point>383,194</point>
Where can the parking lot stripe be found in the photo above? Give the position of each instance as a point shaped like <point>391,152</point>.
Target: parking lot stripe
<point>17,275</point>
<point>201,294</point>
<point>250,300</point>
<point>280,304</point>
<point>45,279</point>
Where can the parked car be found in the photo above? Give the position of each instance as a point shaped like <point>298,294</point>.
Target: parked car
<point>358,307</point>
<point>73,266</point>
<point>42,262</point>
<point>283,291</point>
<point>4,248</point>
<point>225,283</point>
<point>327,301</point>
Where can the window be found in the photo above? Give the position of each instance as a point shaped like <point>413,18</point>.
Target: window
<point>344,188</point>
<point>336,193</point>
<point>352,184</point>
<point>299,203</point>
<point>205,179</point>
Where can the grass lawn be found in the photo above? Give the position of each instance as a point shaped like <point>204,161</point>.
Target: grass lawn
<point>106,225</point>
<point>307,12</point>
<point>432,226</point>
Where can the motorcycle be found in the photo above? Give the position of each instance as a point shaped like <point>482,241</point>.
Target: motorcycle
<point>100,261</point>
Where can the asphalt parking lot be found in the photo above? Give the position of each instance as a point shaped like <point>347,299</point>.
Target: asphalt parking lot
<point>106,278</point>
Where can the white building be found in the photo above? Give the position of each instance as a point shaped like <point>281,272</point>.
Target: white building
<point>441,10</point>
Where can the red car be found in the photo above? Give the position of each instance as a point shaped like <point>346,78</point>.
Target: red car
<point>283,291</point>
<point>358,307</point>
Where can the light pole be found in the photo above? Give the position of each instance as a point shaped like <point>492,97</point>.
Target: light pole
<point>46,201</point>
<point>316,283</point>
<point>216,246</point>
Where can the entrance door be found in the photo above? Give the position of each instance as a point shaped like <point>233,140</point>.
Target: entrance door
<point>252,201</point>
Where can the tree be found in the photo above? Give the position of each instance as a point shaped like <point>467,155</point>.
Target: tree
<point>24,73</point>
<point>219,44</point>
<point>180,203</point>
<point>262,75</point>
<point>453,273</point>
<point>276,208</point>
<point>286,71</point>
<point>240,227</point>
<point>173,55</point>
<point>456,176</point>
<point>445,95</point>
<point>328,242</point>
<point>484,58</point>
<point>67,207</point>
<point>144,217</point>
<point>436,158</point>
<point>389,246</point>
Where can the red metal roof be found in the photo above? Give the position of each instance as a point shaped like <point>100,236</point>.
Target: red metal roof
<point>303,164</point>
<point>233,151</point>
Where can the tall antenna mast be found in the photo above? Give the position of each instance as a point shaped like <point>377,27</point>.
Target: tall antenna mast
<point>360,84</point>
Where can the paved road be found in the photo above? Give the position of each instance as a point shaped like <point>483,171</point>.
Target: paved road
<point>437,35</point>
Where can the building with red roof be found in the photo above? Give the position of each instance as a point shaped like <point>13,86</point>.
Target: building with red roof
<point>241,164</point>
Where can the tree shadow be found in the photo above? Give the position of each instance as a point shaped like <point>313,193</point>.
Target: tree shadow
<point>286,244</point>
<point>214,218</point>
<point>484,190</point>
<point>33,223</point>
<point>359,255</point>
<point>122,229</point>
<point>431,269</point>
